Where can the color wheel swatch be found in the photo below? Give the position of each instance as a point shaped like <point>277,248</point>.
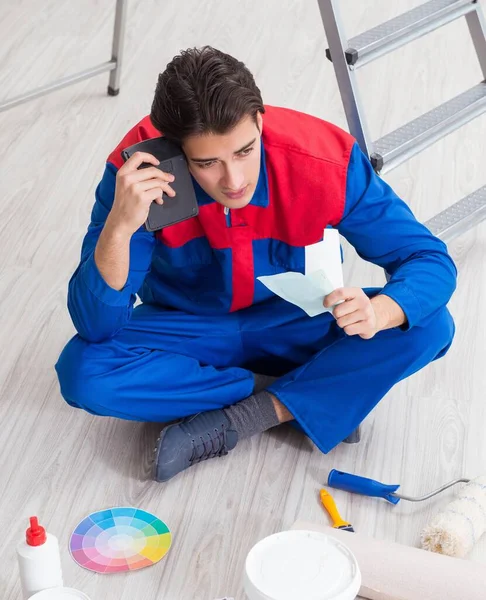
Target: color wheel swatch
<point>119,539</point>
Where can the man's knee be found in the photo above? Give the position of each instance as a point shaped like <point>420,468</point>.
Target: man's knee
<point>79,385</point>
<point>436,333</point>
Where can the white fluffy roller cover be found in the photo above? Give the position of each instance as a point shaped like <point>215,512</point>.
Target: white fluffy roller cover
<point>456,529</point>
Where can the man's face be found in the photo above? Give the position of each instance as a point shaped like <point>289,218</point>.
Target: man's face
<point>227,166</point>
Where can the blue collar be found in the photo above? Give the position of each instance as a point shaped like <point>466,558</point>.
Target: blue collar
<point>260,195</point>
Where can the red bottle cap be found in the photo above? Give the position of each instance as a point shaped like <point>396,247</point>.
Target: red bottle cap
<point>35,535</point>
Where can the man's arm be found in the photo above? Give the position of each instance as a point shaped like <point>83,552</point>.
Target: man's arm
<point>359,315</point>
<point>116,252</point>
<point>384,231</point>
<point>112,256</point>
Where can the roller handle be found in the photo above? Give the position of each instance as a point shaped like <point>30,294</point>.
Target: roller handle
<point>362,485</point>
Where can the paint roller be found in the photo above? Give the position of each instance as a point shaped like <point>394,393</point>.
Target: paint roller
<point>392,571</point>
<point>453,531</point>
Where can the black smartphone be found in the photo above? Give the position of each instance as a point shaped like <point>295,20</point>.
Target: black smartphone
<point>172,160</point>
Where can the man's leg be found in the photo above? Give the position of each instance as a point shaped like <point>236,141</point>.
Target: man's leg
<point>339,380</point>
<point>162,366</point>
<point>167,365</point>
<point>333,392</point>
<point>335,381</point>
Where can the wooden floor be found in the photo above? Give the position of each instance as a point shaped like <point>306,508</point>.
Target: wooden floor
<point>62,464</point>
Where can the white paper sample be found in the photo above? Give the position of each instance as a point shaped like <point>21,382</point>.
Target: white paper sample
<point>305,291</point>
<point>326,256</point>
<point>323,274</point>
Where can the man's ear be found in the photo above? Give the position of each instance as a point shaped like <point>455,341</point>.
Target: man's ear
<point>259,121</point>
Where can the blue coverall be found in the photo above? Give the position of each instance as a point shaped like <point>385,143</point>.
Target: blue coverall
<point>162,362</point>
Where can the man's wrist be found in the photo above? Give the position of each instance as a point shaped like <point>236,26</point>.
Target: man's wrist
<point>388,313</point>
<point>116,232</point>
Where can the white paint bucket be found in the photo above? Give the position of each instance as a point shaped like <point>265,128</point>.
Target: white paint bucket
<point>301,564</point>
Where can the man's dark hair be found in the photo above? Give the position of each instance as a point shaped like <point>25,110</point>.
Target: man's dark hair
<point>203,90</point>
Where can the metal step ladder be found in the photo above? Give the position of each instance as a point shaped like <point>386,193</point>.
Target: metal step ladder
<point>398,146</point>
<point>113,66</point>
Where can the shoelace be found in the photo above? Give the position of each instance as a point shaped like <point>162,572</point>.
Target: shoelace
<point>213,446</point>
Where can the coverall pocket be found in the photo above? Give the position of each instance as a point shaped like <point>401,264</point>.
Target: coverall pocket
<point>291,258</point>
<point>195,253</point>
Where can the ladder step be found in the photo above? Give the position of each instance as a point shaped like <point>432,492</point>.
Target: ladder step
<point>403,29</point>
<point>459,217</point>
<point>403,143</point>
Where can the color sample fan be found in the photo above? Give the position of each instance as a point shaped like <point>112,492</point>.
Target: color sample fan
<point>119,539</point>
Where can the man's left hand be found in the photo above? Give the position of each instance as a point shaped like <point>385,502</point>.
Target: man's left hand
<point>355,313</point>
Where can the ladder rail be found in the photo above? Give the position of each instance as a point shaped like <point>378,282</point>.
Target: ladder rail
<point>346,79</point>
<point>477,28</point>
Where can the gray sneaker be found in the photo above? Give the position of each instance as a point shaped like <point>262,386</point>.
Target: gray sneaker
<point>191,441</point>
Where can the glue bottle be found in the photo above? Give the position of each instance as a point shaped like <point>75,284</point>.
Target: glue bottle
<point>39,560</point>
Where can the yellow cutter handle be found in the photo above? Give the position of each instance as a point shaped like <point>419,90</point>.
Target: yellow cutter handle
<point>329,504</point>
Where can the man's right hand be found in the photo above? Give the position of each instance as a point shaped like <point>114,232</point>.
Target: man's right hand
<point>135,190</point>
